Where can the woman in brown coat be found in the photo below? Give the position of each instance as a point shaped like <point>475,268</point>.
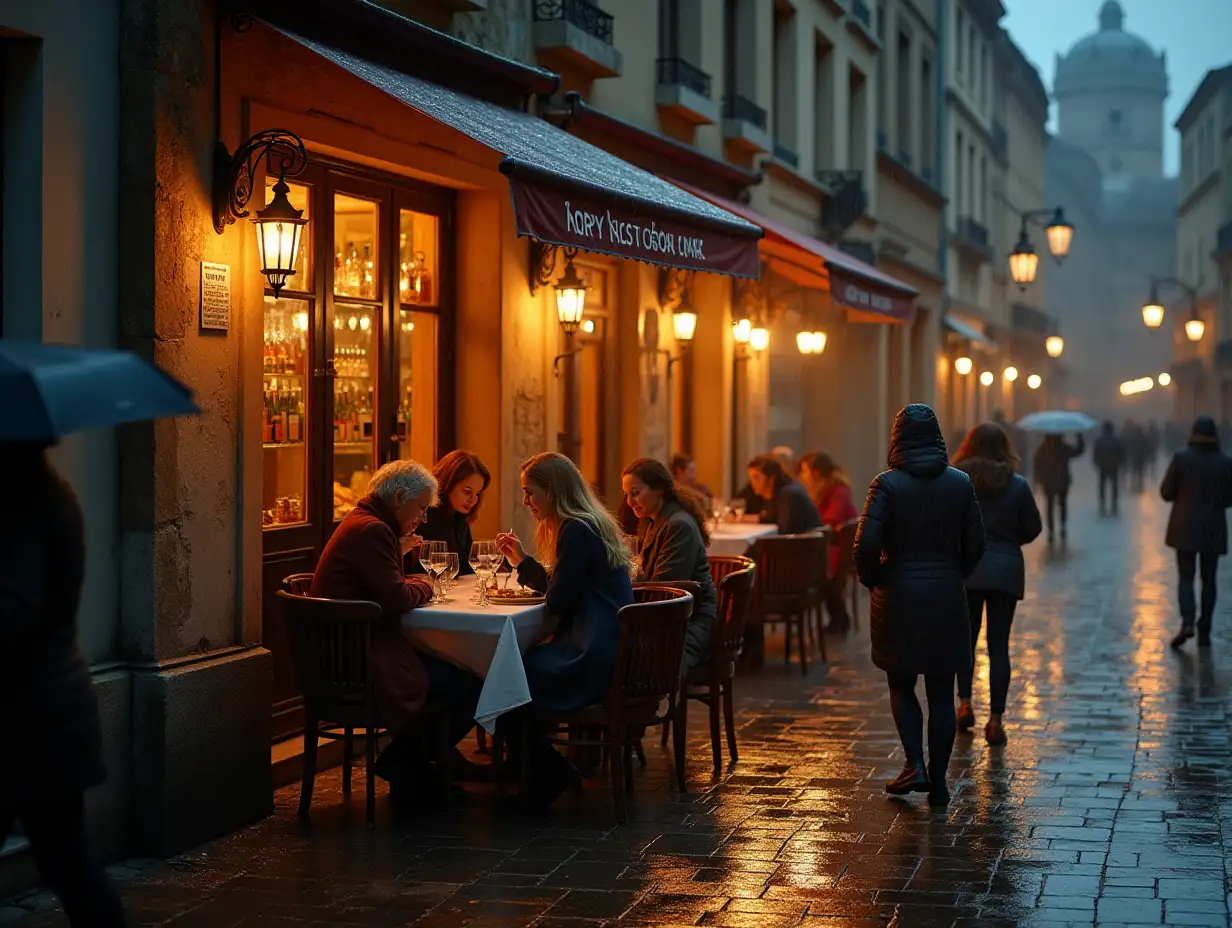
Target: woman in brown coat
<point>46,692</point>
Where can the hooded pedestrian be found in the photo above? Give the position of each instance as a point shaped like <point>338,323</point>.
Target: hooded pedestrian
<point>1198,484</point>
<point>46,692</point>
<point>1051,470</point>
<point>919,536</point>
<point>1011,520</point>
<point>1109,455</point>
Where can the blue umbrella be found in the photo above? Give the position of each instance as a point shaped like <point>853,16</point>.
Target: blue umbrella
<point>47,391</point>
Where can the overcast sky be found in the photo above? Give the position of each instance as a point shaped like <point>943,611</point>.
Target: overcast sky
<point>1196,34</point>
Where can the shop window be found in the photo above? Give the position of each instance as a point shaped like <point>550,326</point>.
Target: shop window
<point>418,256</point>
<point>356,322</point>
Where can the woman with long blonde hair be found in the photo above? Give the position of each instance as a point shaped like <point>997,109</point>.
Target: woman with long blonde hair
<point>583,566</point>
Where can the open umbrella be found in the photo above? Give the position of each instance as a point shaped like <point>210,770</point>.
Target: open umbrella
<point>1057,422</point>
<point>47,391</point>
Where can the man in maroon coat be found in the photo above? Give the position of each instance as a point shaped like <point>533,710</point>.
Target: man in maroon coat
<point>363,560</point>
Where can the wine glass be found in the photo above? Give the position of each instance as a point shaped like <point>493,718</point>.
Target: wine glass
<point>481,563</point>
<point>738,507</point>
<point>452,566</point>
<point>496,558</point>
<point>432,560</point>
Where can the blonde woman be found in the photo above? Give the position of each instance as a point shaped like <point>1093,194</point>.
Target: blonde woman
<point>583,566</point>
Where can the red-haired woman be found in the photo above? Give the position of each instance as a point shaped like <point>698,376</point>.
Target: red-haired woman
<point>830,488</point>
<point>462,479</point>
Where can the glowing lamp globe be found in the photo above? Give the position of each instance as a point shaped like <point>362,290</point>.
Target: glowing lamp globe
<point>1060,235</point>
<point>1024,262</point>
<point>684,325</point>
<point>1054,345</point>
<point>1010,373</point>
<point>1195,329</point>
<point>1153,315</point>
<point>987,378</point>
<point>963,366</point>
<point>1034,381</point>
<point>279,229</point>
<point>570,299</point>
<point>759,339</point>
<point>1164,379</point>
<point>741,330</point>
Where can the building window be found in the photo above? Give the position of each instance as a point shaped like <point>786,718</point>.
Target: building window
<point>680,30</point>
<point>903,76</point>
<point>959,60</point>
<point>824,154</point>
<point>857,116</point>
<point>927,116</point>
<point>785,77</point>
<point>959,174</point>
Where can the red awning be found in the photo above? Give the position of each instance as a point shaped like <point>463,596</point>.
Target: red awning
<point>571,193</point>
<point>866,292</point>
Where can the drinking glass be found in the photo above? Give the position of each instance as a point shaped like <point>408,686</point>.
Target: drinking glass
<point>738,507</point>
<point>476,561</point>
<point>431,557</point>
<point>452,566</point>
<point>483,560</point>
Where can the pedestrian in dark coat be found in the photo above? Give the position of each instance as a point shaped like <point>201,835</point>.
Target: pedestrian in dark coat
<point>1011,520</point>
<point>919,536</point>
<point>1109,456</point>
<point>1198,484</point>
<point>46,692</point>
<point>788,504</point>
<point>1052,475</point>
<point>363,560</point>
<point>583,566</point>
<point>671,541</point>
<point>462,479</point>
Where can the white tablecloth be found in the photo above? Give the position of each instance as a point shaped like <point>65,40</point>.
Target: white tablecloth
<point>488,640</point>
<point>734,538</point>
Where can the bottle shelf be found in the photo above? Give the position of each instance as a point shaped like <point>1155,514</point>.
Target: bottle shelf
<point>273,445</point>
<point>352,447</point>
<point>270,375</point>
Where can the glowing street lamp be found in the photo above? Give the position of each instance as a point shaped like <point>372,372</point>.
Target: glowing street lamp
<point>1054,345</point>
<point>1034,381</point>
<point>1060,235</point>
<point>811,342</point>
<point>987,378</point>
<point>742,330</point>
<point>1164,379</point>
<point>759,339</point>
<point>1195,329</point>
<point>684,325</point>
<point>1024,262</point>
<point>963,366</point>
<point>1010,373</point>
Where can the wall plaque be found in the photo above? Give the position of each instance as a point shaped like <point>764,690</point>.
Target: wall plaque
<point>215,296</point>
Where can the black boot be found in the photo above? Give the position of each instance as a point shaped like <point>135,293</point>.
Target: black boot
<point>1182,636</point>
<point>912,779</point>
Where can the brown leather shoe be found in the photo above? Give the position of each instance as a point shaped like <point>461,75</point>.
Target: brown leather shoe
<point>994,734</point>
<point>965,717</point>
<point>912,779</point>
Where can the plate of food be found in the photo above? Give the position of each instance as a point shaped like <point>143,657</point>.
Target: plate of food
<point>520,596</point>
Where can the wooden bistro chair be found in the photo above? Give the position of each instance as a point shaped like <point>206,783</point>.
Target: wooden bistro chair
<point>786,585</point>
<point>331,641</point>
<point>647,672</point>
<point>711,683</point>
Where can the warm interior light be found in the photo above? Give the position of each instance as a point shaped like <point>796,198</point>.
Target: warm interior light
<point>1010,373</point>
<point>1153,315</point>
<point>1195,329</point>
<point>279,228</point>
<point>1141,385</point>
<point>741,330</point>
<point>759,339</point>
<point>365,323</point>
<point>588,326</point>
<point>987,378</point>
<point>1164,379</point>
<point>963,366</point>
<point>1054,345</point>
<point>1023,261</point>
<point>1034,381</point>
<point>1060,235</point>
<point>684,325</point>
<point>570,298</point>
<point>811,342</point>
<point>353,323</point>
<point>300,321</point>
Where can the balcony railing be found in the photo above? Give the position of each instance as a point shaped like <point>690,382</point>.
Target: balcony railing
<point>581,13</point>
<point>678,72</point>
<point>1223,242</point>
<point>971,232</point>
<point>860,10</point>
<point>738,107</point>
<point>786,155</point>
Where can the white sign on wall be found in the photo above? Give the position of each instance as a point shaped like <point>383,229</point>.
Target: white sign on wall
<point>215,296</point>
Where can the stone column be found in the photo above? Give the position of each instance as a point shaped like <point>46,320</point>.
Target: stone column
<point>189,629</point>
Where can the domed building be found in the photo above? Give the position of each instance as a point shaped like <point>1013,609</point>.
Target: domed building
<point>1110,91</point>
<point>1105,166</point>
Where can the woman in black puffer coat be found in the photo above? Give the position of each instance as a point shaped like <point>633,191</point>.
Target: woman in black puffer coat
<point>919,536</point>
<point>1011,520</point>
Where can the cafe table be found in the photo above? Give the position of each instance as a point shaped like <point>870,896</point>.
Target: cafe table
<point>487,640</point>
<point>734,538</point>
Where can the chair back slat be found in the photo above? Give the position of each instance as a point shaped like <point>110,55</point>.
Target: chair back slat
<point>788,564</point>
<point>735,599</point>
<point>723,564</point>
<point>657,591</point>
<point>331,642</point>
<point>652,633</point>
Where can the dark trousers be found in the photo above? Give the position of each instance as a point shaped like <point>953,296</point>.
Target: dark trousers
<point>1056,499</point>
<point>1108,478</point>
<point>1187,564</point>
<point>909,719</point>
<point>56,831</point>
<point>1138,476</point>
<point>1000,608</point>
<point>406,757</point>
<point>836,603</point>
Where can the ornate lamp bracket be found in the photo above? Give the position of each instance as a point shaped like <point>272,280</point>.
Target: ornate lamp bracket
<point>235,175</point>
<point>543,262</point>
<point>674,286</point>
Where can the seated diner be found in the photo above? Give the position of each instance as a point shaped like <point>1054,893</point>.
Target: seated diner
<point>582,565</point>
<point>671,541</point>
<point>462,479</point>
<point>363,560</point>
<point>830,489</point>
<point>787,504</point>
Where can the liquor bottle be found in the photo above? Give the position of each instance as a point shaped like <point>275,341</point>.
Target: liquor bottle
<point>401,426</point>
<point>267,423</point>
<point>267,359</point>
<point>340,406</point>
<point>365,417</point>
<point>295,421</point>
<point>279,426</point>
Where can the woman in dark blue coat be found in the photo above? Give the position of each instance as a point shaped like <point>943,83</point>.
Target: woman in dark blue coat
<point>1198,484</point>
<point>1011,520</point>
<point>584,567</point>
<point>920,535</point>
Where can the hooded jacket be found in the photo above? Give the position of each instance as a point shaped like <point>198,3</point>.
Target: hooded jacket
<point>1011,520</point>
<point>920,534</point>
<point>1198,484</point>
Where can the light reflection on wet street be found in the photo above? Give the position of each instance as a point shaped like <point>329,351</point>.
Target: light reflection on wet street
<point>1106,806</point>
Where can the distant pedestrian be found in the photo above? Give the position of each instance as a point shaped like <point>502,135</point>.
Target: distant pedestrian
<point>1198,484</point>
<point>920,534</point>
<point>1137,447</point>
<point>1109,456</point>
<point>1052,475</point>
<point>1011,520</point>
<point>46,692</point>
<point>1153,441</point>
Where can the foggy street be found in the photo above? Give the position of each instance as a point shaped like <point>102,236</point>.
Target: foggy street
<point>1107,803</point>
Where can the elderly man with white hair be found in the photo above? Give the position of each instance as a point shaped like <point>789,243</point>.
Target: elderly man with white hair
<point>363,560</point>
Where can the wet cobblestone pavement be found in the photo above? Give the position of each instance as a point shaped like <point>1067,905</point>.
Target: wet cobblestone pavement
<point>1107,806</point>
